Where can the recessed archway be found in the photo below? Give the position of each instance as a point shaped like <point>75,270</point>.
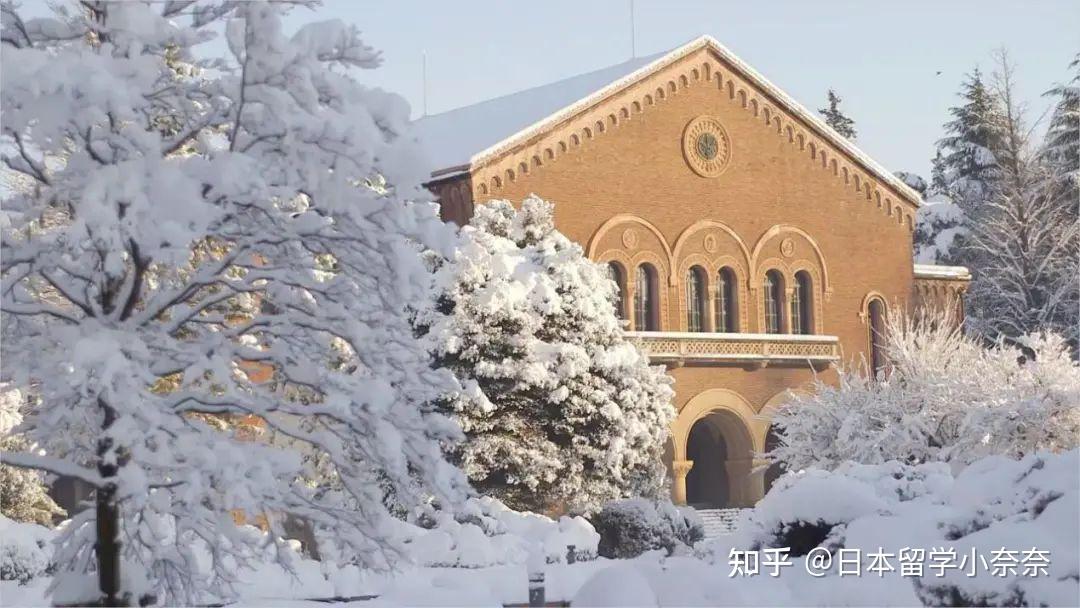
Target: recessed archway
<point>720,447</point>
<point>716,437</point>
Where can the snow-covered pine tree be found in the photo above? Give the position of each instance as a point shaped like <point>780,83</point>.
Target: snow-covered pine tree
<point>1025,240</point>
<point>938,224</point>
<point>196,243</point>
<point>835,117</point>
<point>1061,144</point>
<point>968,165</point>
<point>560,411</point>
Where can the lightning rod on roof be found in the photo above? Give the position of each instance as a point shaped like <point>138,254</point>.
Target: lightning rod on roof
<point>633,45</point>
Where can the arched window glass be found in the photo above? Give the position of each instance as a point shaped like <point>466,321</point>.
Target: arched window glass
<point>726,317</point>
<point>645,299</point>
<point>695,299</point>
<point>801,300</point>
<point>615,273</point>
<point>774,298</point>
<point>876,325</point>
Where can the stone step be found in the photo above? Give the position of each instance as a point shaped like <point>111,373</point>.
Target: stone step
<point>718,522</point>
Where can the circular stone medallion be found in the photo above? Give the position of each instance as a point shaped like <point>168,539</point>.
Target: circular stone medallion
<point>787,247</point>
<point>629,238</point>
<point>706,146</point>
<point>710,243</point>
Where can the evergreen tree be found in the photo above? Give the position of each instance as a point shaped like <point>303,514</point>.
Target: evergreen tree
<point>938,225</point>
<point>968,164</point>
<point>836,119</point>
<point>938,182</point>
<point>1024,243</point>
<point>560,411</point>
<point>1061,146</point>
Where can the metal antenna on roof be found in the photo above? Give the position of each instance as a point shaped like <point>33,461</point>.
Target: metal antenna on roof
<point>423,78</point>
<point>633,45</point>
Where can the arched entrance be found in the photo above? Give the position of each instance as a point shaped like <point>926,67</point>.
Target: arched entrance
<point>715,438</point>
<point>721,449</point>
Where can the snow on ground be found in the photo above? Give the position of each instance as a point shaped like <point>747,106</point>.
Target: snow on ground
<point>991,508</point>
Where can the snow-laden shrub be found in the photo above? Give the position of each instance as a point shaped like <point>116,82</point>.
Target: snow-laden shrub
<point>946,397</point>
<point>812,508</point>
<point>25,550</point>
<point>485,532</point>
<point>995,504</point>
<point>999,503</point>
<point>561,412</point>
<point>632,526</point>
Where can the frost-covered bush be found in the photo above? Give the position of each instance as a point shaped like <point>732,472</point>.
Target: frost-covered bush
<point>811,508</point>
<point>632,526</point>
<point>484,532</point>
<point>1000,508</point>
<point>25,550</point>
<point>946,397</point>
<point>1019,505</point>
<point>561,412</point>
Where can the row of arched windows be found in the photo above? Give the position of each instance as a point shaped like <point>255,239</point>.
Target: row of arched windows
<point>795,316</point>
<point>781,316</point>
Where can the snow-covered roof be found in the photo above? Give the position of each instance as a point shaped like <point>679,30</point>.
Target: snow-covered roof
<point>467,137</point>
<point>933,271</point>
<point>453,138</point>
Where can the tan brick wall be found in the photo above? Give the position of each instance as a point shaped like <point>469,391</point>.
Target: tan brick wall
<point>637,168</point>
<point>855,233</point>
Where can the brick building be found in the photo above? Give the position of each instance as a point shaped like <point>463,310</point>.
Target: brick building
<point>754,247</point>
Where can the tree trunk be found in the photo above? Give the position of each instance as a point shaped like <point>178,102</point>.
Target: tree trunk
<point>107,548</point>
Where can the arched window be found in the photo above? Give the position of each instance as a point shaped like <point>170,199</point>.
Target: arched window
<point>616,274</point>
<point>876,326</point>
<point>726,316</point>
<point>774,302</point>
<point>646,297</point>
<point>695,299</point>
<point>802,297</point>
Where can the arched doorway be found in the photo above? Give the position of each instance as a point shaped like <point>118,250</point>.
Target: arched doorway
<point>721,449</point>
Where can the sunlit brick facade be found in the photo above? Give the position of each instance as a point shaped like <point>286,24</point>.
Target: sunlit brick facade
<point>754,247</point>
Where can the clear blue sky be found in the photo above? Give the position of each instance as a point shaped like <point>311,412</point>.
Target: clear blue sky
<point>882,57</point>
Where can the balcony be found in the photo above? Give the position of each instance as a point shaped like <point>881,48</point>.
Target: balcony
<point>676,348</point>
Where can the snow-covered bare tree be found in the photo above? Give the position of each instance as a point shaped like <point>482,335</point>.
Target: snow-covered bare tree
<point>560,411</point>
<point>196,243</point>
<point>23,495</point>
<point>835,117</point>
<point>946,397</point>
<point>1025,240</point>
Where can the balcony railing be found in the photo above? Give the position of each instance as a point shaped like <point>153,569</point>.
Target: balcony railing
<point>756,350</point>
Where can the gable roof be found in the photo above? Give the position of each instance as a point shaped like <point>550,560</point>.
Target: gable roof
<point>453,138</point>
<point>466,138</point>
